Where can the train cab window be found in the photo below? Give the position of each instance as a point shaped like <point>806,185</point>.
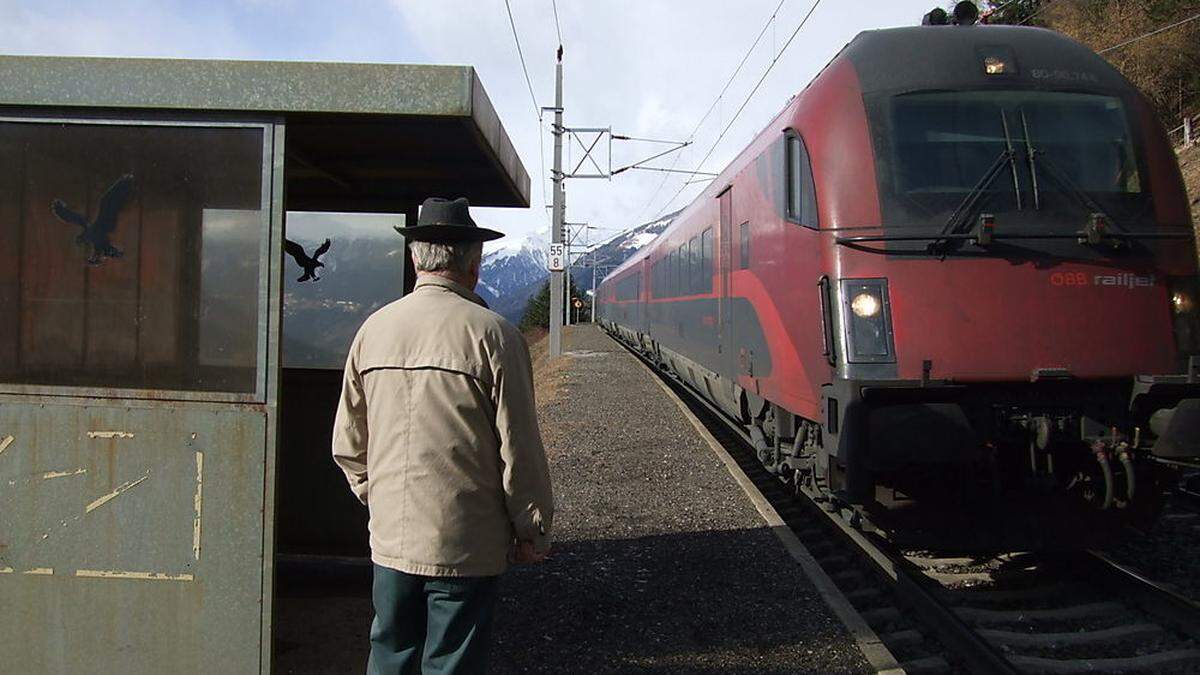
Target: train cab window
<point>744,253</point>
<point>801,191</point>
<point>706,261</point>
<point>942,143</point>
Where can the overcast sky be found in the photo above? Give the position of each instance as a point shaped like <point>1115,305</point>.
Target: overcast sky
<point>644,68</point>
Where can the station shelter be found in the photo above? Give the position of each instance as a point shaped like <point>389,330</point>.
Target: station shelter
<point>167,380</point>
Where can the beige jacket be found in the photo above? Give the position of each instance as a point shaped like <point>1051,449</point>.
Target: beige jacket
<point>437,433</point>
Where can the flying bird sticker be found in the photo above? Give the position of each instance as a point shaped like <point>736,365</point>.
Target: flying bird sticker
<point>96,233</point>
<point>309,265</point>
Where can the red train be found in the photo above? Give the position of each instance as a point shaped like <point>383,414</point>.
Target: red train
<point>959,263</point>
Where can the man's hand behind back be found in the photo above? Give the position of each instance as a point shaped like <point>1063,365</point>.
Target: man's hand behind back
<point>524,553</point>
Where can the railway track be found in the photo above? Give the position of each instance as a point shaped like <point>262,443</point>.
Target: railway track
<point>1006,613</point>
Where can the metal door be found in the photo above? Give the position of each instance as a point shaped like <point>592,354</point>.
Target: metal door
<point>726,265</point>
<point>138,394</point>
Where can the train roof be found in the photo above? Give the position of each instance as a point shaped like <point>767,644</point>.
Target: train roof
<point>950,57</point>
<point>917,58</point>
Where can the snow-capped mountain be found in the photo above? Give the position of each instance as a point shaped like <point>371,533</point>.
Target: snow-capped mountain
<point>617,251</point>
<point>511,272</point>
<point>514,270</point>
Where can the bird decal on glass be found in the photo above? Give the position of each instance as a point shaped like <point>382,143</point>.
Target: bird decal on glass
<point>309,265</point>
<point>96,233</point>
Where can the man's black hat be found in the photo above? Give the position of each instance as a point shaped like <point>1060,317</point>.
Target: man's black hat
<point>448,222</point>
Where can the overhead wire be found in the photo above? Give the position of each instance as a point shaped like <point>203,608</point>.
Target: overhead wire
<point>537,111</point>
<point>1148,35</point>
<point>716,101</point>
<point>521,55</point>
<point>1036,12</point>
<point>745,102</point>
<point>557,30</point>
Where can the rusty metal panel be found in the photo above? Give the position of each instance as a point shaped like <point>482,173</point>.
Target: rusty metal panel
<point>132,536</point>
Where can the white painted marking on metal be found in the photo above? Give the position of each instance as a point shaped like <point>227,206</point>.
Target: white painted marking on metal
<point>110,434</point>
<point>198,504</point>
<point>40,571</point>
<point>141,576</point>
<point>5,442</point>
<point>101,501</point>
<point>62,474</point>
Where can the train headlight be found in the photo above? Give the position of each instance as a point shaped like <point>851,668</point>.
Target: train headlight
<point>867,321</point>
<point>1185,314</point>
<point>1182,302</point>
<point>865,305</point>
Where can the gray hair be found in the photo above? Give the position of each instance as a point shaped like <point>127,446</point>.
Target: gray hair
<point>429,256</point>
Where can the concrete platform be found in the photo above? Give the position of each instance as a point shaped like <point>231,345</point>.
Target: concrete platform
<point>661,564</point>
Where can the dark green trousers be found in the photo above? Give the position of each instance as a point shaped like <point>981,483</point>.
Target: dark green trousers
<point>430,624</point>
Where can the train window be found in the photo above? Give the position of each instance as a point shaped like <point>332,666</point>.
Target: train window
<point>681,270</point>
<point>669,275</point>
<point>629,288</point>
<point>801,191</point>
<point>744,257</point>
<point>693,265</point>
<point>706,261</point>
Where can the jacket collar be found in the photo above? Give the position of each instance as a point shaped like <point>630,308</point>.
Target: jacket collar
<point>433,280</point>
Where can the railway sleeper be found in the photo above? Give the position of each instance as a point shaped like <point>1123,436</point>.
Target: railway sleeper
<point>928,664</point>
<point>902,638</point>
<point>1073,639</point>
<point>1178,658</point>
<point>1005,595</point>
<point>1023,616</point>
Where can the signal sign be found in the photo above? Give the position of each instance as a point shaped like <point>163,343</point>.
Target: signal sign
<point>556,256</point>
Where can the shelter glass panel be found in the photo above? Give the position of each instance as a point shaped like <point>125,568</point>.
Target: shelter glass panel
<point>131,255</point>
<point>361,270</point>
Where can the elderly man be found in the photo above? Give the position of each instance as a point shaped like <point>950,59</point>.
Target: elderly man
<point>437,433</point>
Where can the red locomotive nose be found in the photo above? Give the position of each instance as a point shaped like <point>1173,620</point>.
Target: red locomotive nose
<point>992,320</point>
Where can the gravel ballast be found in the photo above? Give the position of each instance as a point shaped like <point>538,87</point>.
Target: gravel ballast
<point>661,563</point>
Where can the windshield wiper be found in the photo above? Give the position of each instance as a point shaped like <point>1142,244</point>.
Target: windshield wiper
<point>961,218</point>
<point>1095,231</point>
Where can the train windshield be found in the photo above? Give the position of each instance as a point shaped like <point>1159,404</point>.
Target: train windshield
<point>944,145</point>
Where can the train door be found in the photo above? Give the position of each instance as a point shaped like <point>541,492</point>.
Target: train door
<point>138,359</point>
<point>725,338</point>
